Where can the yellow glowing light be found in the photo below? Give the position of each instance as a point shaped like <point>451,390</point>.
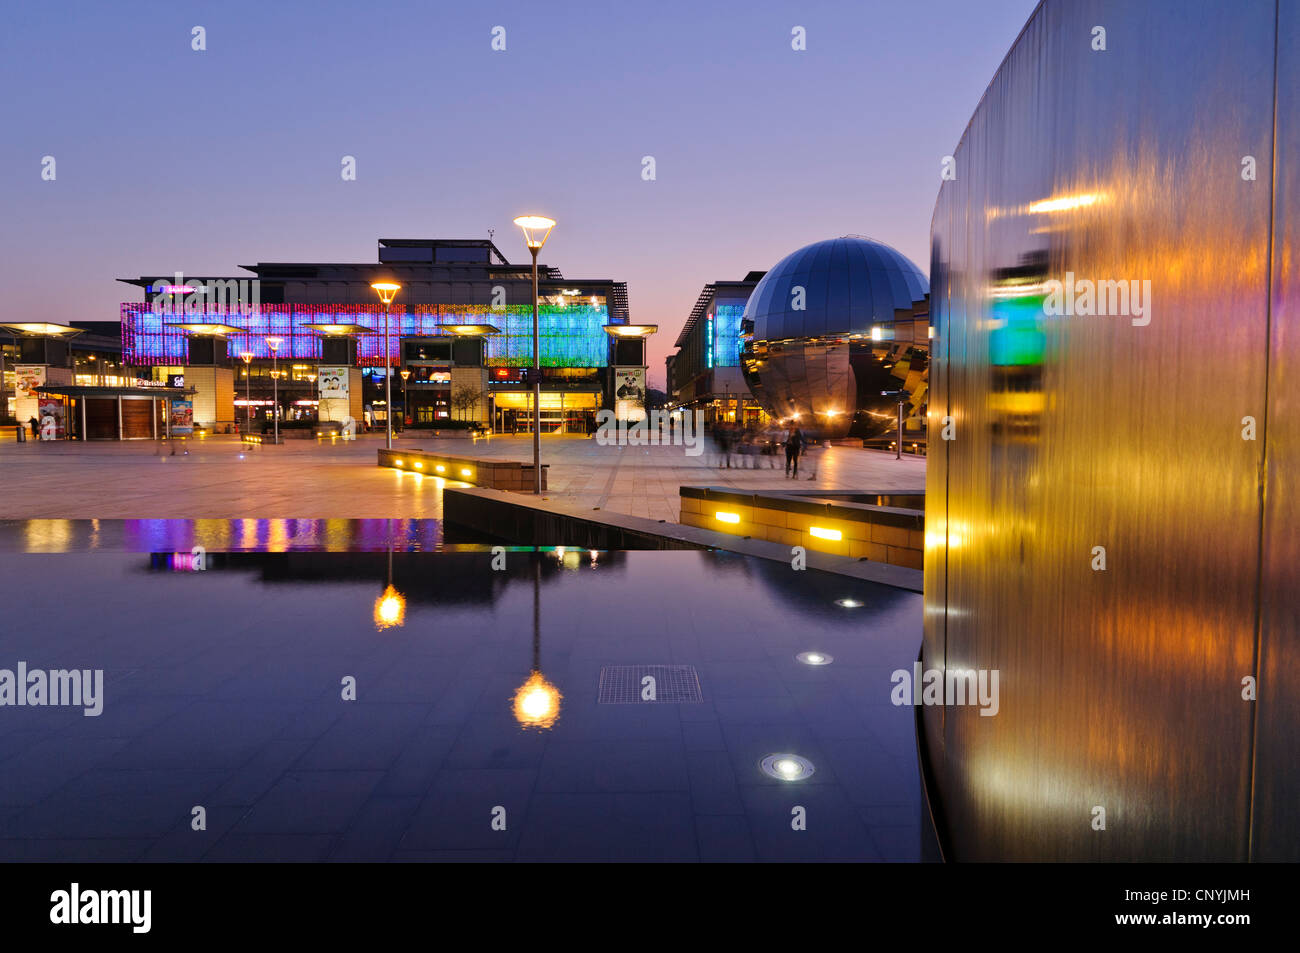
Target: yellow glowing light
<point>390,609</point>
<point>465,471</point>
<point>532,225</point>
<point>440,468</point>
<point>724,517</point>
<point>537,702</point>
<point>822,533</point>
<point>387,290</point>
<point>419,465</point>
<point>877,334</point>
<point>1066,203</point>
<point>397,463</point>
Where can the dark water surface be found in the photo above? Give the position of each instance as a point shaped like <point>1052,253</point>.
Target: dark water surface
<point>223,689</point>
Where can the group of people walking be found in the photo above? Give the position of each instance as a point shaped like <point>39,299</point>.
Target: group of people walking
<point>744,447</point>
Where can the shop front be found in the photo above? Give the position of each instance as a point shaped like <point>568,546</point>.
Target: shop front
<point>562,411</point>
<point>80,412</point>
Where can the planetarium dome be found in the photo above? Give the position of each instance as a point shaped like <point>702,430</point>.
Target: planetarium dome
<point>832,326</point>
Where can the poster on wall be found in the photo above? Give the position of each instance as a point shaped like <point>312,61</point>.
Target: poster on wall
<point>50,414</point>
<point>182,418</point>
<point>29,377</point>
<point>333,383</point>
<point>629,393</point>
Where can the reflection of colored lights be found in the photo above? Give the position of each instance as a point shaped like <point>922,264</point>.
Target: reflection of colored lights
<point>724,517</point>
<point>537,702</point>
<point>821,532</point>
<point>1066,203</point>
<point>390,609</point>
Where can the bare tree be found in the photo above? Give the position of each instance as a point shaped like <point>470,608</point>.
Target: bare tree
<point>465,398</point>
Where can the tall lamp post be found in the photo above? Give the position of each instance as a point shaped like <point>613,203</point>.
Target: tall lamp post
<point>274,345</point>
<point>533,226</point>
<point>247,357</point>
<point>387,292</point>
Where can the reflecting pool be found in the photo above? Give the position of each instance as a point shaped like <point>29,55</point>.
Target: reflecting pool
<point>398,705</point>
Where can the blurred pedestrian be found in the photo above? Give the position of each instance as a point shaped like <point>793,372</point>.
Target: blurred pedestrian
<point>793,448</point>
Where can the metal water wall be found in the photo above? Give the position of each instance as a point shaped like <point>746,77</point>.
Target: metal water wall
<point>1106,529</point>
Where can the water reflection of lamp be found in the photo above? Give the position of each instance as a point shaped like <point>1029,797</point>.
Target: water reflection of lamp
<point>390,607</point>
<point>537,701</point>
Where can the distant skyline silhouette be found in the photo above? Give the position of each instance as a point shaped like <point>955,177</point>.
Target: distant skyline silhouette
<point>170,159</point>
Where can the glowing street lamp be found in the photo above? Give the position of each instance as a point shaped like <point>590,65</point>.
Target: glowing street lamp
<point>274,345</point>
<point>536,230</point>
<point>247,357</point>
<point>387,291</point>
<point>406,373</point>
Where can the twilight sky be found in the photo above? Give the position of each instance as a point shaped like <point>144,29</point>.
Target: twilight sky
<point>174,160</point>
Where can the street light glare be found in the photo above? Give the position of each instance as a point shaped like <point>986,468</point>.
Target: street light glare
<point>532,224</point>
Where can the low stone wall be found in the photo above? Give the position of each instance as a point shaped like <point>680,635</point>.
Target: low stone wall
<point>493,474</point>
<point>882,527</point>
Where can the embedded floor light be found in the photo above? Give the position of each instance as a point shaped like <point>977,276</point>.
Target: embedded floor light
<point>815,658</point>
<point>822,532</point>
<point>787,767</point>
<point>724,517</point>
<point>848,603</point>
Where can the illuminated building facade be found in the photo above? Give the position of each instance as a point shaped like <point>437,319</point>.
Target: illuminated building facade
<point>836,335</point>
<point>447,286</point>
<point>704,374</point>
<point>1113,526</point>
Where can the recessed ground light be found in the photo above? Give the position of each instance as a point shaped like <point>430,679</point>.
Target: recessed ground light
<point>786,767</point>
<point>465,471</point>
<point>822,532</point>
<point>397,463</point>
<point>848,603</point>
<point>440,468</point>
<point>419,466</point>
<point>724,517</point>
<point>815,658</point>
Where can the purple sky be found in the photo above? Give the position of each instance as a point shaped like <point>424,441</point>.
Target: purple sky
<point>175,160</point>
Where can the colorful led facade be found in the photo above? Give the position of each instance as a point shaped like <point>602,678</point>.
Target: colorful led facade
<point>571,334</point>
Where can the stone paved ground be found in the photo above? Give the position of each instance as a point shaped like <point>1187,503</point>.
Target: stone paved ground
<point>218,479</point>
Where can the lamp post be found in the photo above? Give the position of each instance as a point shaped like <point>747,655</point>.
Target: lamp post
<point>387,291</point>
<point>532,226</point>
<point>274,345</point>
<point>247,357</point>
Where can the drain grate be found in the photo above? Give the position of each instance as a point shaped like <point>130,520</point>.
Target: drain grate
<point>674,684</point>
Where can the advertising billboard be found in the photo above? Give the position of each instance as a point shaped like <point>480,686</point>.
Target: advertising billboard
<point>181,421</point>
<point>629,393</point>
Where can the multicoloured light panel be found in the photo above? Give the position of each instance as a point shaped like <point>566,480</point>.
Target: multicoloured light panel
<point>572,335</point>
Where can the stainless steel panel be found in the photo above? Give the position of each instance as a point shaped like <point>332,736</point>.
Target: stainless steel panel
<point>1119,689</point>
<point>1275,831</point>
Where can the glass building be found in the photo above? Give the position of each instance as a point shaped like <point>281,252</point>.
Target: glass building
<point>326,314</point>
<point>704,374</point>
